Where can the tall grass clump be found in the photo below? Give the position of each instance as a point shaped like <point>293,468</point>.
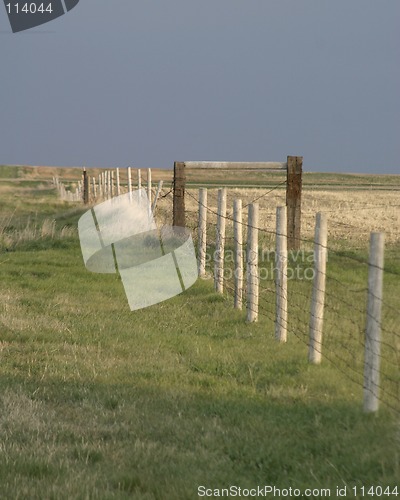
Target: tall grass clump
<point>13,235</point>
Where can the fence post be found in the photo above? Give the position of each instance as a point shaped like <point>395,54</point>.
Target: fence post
<point>94,188</point>
<point>149,185</point>
<point>107,181</point>
<point>281,261</point>
<point>179,194</point>
<point>85,187</point>
<point>118,183</point>
<point>373,327</point>
<point>202,232</point>
<point>130,183</point>
<point>111,183</point>
<point>220,242</point>
<point>252,263</point>
<point>103,183</point>
<point>318,293</point>
<point>238,242</point>
<point>293,200</point>
<point>159,187</point>
<point>139,179</point>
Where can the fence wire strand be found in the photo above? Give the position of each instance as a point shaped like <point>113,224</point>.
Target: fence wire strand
<point>350,365</point>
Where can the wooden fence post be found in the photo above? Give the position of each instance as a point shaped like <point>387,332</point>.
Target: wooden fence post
<point>85,187</point>
<point>108,184</point>
<point>118,183</point>
<point>103,181</point>
<point>220,242</point>
<point>252,263</point>
<point>130,183</point>
<point>373,327</point>
<point>293,200</point>
<point>159,187</point>
<point>238,242</point>
<point>318,293</point>
<point>94,188</point>
<point>281,261</point>
<point>100,188</point>
<point>149,185</point>
<point>202,232</point>
<point>179,194</point>
<point>112,184</point>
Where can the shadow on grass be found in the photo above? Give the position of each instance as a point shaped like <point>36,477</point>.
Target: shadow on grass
<point>148,441</point>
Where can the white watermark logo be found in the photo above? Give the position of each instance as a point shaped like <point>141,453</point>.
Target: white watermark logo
<point>120,235</point>
<point>301,264</point>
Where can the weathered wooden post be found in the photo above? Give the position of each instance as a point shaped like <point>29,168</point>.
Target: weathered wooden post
<point>293,200</point>
<point>85,187</point>
<point>179,194</point>
<point>373,328</point>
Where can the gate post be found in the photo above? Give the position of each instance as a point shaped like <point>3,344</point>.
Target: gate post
<point>293,201</point>
<point>179,194</point>
<point>85,187</point>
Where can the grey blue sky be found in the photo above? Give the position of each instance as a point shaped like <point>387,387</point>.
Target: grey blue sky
<point>147,82</point>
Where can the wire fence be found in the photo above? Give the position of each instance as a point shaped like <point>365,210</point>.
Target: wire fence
<point>345,299</point>
<point>109,184</point>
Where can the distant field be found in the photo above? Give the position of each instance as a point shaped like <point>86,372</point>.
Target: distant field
<point>97,401</point>
<point>216,178</point>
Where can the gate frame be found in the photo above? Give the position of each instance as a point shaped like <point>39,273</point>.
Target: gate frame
<point>293,166</point>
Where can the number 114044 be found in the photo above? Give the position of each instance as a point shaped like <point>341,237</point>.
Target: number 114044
<point>375,491</point>
<point>29,8</point>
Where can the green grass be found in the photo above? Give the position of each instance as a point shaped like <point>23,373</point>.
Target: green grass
<point>9,171</point>
<point>97,401</point>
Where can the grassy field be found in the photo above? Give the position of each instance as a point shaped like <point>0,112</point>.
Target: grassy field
<point>97,401</point>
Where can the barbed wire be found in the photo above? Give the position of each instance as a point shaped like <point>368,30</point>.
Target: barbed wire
<point>304,338</point>
<point>303,240</point>
<point>332,303</point>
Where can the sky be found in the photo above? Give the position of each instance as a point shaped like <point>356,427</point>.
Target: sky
<point>148,82</point>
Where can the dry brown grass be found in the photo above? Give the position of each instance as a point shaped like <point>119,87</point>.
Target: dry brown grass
<point>352,215</point>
